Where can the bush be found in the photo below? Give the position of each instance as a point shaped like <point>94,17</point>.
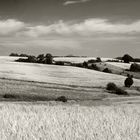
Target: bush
<point>92,61</point>
<point>107,70</point>
<point>10,96</point>
<point>61,99</point>
<point>111,86</point>
<point>94,66</point>
<point>59,63</point>
<point>13,54</point>
<point>23,55</point>
<point>135,67</point>
<point>120,91</point>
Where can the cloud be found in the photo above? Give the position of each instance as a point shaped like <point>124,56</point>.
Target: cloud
<point>68,2</point>
<point>10,26</point>
<point>88,27</point>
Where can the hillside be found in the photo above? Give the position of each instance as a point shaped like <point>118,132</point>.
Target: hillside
<point>57,74</point>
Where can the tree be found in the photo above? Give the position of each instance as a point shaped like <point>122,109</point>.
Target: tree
<point>135,67</point>
<point>40,58</point>
<point>48,59</point>
<point>98,59</point>
<point>85,64</point>
<point>31,59</point>
<point>127,58</point>
<point>129,81</point>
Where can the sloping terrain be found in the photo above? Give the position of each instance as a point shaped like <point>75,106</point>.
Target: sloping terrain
<point>39,82</point>
<point>78,59</point>
<point>57,74</point>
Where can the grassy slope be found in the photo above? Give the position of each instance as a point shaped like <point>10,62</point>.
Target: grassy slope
<point>53,81</point>
<point>58,74</point>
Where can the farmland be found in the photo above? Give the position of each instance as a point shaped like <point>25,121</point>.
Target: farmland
<point>50,121</point>
<point>90,113</point>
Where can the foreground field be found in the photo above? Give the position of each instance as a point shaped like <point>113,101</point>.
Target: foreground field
<point>62,122</point>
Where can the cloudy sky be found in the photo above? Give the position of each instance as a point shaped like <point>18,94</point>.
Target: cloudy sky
<point>105,28</point>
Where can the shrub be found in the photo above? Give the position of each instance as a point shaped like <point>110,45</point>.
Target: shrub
<point>13,54</point>
<point>92,61</point>
<point>107,70</point>
<point>10,96</point>
<point>23,55</point>
<point>59,63</point>
<point>61,99</point>
<point>78,65</point>
<point>94,66</point>
<point>120,91</point>
<point>111,86</point>
<point>135,67</point>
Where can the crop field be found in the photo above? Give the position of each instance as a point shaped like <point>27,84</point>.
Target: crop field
<point>78,59</point>
<point>57,74</point>
<point>91,113</point>
<point>120,65</point>
<point>62,122</point>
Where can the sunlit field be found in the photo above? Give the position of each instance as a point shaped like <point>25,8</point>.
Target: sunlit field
<point>79,59</point>
<point>57,74</point>
<point>120,65</point>
<point>62,122</point>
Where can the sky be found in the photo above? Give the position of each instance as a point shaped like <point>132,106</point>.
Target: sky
<point>104,28</point>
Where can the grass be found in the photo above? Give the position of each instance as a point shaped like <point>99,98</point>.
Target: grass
<point>51,121</point>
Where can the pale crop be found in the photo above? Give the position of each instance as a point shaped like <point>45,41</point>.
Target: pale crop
<point>26,121</point>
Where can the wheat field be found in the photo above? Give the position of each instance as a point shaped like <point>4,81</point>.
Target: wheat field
<point>62,122</point>
<point>57,74</point>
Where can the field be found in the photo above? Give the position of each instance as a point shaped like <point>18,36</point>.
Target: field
<point>78,59</point>
<point>91,113</point>
<point>57,74</point>
<point>62,122</point>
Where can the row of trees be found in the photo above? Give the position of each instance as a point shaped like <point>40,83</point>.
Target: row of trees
<point>44,59</point>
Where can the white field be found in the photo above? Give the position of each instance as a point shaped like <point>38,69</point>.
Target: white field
<point>120,65</point>
<point>78,59</point>
<point>61,122</point>
<point>57,74</point>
